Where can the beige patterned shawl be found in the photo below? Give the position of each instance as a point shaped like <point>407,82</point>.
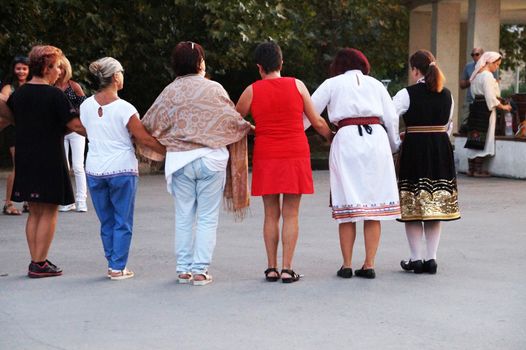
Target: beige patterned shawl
<point>193,112</point>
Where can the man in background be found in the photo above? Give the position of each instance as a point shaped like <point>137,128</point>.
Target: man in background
<point>465,84</point>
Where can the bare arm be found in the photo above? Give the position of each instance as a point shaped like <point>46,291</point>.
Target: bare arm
<point>76,126</point>
<point>244,102</point>
<point>243,106</point>
<point>318,123</point>
<point>504,107</point>
<point>77,88</point>
<point>6,117</point>
<point>464,84</point>
<point>142,137</point>
<point>3,123</point>
<point>5,92</point>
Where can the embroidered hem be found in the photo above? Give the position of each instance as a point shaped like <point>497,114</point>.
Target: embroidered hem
<point>360,211</point>
<point>429,199</point>
<point>114,174</point>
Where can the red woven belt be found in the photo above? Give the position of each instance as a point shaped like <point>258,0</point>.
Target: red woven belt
<point>359,121</point>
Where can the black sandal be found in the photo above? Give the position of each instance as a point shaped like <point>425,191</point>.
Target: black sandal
<point>294,276</point>
<point>271,278</point>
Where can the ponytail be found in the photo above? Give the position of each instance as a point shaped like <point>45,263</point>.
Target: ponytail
<point>424,61</point>
<point>434,78</point>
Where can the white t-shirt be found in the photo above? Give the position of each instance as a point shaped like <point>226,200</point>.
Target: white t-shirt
<point>111,149</point>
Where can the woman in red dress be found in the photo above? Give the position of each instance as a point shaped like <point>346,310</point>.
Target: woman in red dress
<point>281,170</point>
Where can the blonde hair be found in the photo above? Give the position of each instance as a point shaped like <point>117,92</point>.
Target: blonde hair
<point>66,66</point>
<point>42,57</point>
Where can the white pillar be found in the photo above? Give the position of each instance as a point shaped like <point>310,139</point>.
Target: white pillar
<point>419,32</point>
<point>445,45</point>
<point>483,25</point>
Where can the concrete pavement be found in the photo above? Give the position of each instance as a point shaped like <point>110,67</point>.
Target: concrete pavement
<point>476,301</point>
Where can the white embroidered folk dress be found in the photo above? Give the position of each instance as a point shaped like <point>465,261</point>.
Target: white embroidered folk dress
<point>362,174</point>
<point>485,85</point>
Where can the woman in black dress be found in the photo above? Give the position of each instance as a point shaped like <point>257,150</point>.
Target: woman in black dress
<point>42,114</point>
<point>427,179</point>
<point>21,75</point>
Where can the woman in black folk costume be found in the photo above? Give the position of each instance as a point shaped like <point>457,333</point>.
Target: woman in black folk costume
<point>427,180</point>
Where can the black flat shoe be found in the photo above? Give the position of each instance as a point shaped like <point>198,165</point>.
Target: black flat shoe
<point>415,266</point>
<point>365,273</point>
<point>430,266</point>
<point>294,276</point>
<point>344,272</point>
<point>271,278</point>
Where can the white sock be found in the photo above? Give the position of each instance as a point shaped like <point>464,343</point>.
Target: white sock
<point>414,232</point>
<point>432,230</point>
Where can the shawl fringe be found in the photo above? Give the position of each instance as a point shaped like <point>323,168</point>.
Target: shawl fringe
<point>236,198</point>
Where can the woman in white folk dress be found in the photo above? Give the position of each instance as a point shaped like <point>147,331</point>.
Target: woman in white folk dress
<point>362,174</point>
<point>483,113</point>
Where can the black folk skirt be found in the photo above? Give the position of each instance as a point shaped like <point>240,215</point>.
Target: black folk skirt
<point>427,178</point>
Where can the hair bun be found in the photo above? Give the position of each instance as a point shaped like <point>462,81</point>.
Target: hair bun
<point>95,69</point>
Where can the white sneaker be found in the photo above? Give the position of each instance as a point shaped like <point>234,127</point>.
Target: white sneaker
<point>64,208</point>
<point>82,207</point>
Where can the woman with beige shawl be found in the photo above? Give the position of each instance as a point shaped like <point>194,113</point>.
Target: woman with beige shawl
<point>195,119</point>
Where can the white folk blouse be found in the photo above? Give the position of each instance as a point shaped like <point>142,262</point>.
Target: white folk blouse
<point>353,95</point>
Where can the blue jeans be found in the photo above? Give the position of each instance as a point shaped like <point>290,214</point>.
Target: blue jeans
<point>198,192</point>
<point>114,200</point>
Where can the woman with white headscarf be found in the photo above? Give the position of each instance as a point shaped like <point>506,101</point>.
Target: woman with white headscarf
<point>483,113</point>
<point>111,165</point>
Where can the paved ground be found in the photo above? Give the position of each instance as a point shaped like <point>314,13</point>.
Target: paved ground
<point>476,301</point>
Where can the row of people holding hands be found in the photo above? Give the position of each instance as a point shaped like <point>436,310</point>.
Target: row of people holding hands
<point>198,132</point>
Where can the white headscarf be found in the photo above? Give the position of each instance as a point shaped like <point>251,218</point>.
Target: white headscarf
<point>487,57</point>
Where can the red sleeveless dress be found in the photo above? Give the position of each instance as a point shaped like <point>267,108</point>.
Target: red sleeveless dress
<point>281,158</point>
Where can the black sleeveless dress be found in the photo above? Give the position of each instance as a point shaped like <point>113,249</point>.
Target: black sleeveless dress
<point>73,98</point>
<point>427,179</point>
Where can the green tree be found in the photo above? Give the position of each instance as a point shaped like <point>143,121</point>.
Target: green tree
<point>513,45</point>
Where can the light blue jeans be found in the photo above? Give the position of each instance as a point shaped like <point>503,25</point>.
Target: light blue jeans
<point>114,201</point>
<point>198,192</point>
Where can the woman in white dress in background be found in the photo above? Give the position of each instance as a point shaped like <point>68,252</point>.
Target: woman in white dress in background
<point>362,174</point>
<point>483,113</point>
